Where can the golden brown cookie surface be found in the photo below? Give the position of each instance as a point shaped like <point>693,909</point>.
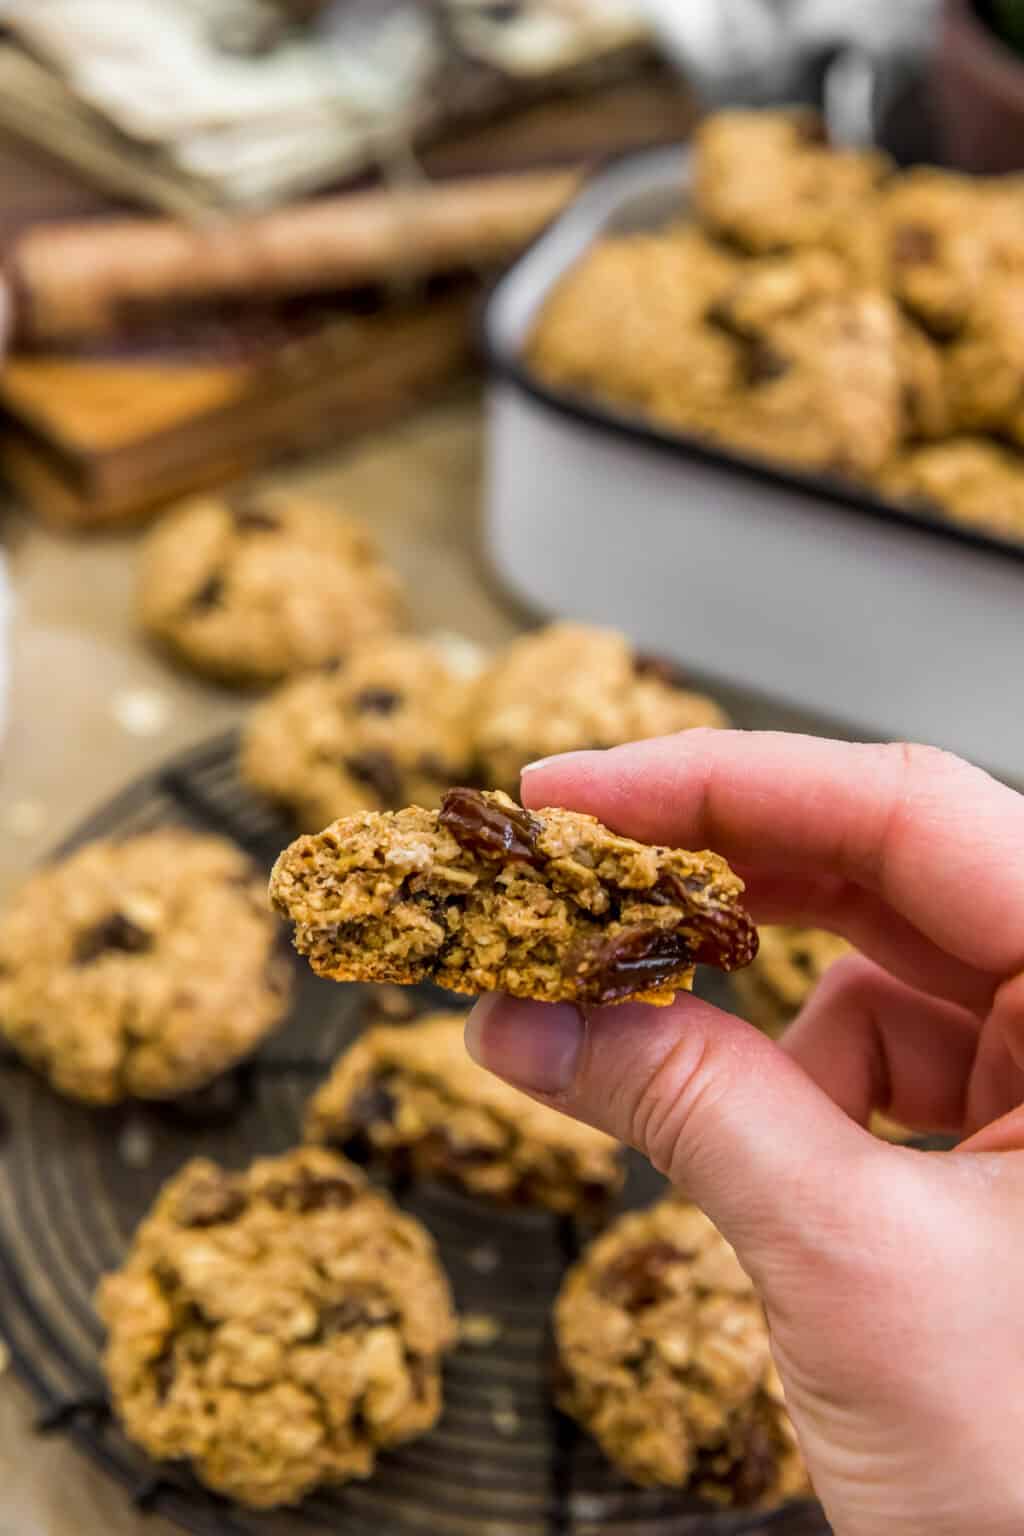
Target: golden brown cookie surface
<point>483,896</point>
<point>664,1357</point>
<point>276,1327</point>
<point>388,726</point>
<point>258,585</point>
<point>413,1097</point>
<point>142,968</point>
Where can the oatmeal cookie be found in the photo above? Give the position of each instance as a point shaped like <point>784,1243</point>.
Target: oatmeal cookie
<point>255,586</point>
<point>414,1098</point>
<point>388,726</point>
<point>628,324</point>
<point>969,480</point>
<point>486,897</point>
<point>824,388</point>
<point>142,968</point>
<point>571,686</point>
<point>664,1357</point>
<point>986,365</point>
<point>946,237</point>
<point>276,1327</point>
<point>789,964</point>
<point>769,182</point>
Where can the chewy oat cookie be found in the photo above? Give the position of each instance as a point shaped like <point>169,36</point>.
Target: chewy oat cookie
<point>948,237</point>
<point>141,969</point>
<point>277,1327</point>
<point>255,586</point>
<point>664,1357</point>
<point>628,323</point>
<point>483,896</point>
<point>572,686</point>
<point>412,1097</point>
<point>388,726</point>
<point>968,479</point>
<point>769,181</point>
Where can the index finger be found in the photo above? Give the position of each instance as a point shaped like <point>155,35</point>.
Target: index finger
<point>939,840</point>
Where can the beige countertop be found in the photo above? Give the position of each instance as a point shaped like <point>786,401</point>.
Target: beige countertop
<point>92,707</point>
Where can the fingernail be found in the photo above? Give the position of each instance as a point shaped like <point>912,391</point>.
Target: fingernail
<point>561,757</point>
<point>536,1046</point>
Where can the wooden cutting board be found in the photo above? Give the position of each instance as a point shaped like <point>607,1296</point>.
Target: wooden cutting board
<point>94,442</point>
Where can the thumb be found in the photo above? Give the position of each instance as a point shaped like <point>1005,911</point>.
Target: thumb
<point>715,1105</point>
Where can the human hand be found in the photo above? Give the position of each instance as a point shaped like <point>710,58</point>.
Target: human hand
<point>891,1278</point>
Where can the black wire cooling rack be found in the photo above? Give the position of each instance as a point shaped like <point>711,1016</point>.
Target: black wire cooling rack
<point>75,1182</point>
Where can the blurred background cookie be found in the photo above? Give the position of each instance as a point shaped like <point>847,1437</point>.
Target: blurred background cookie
<point>141,969</point>
<point>389,726</point>
<point>412,1097</point>
<point>255,585</point>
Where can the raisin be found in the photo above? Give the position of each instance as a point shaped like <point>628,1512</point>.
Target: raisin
<point>757,1471</point>
<point>441,1155</point>
<point>633,960</point>
<point>762,364</point>
<point>481,825</point>
<point>311,1192</point>
<point>660,669</point>
<point>914,244</point>
<point>252,515</point>
<point>209,595</point>
<point>637,1277</point>
<point>371,1106</point>
<point>163,1374</point>
<point>354,1312</point>
<point>379,772</point>
<point>377,701</point>
<point>116,932</point>
<point>208,1200</point>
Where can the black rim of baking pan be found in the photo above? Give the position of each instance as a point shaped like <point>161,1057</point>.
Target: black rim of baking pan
<point>506,364</point>
<point>74,1182</point>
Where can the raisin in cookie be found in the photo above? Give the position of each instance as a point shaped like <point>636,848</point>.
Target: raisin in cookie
<point>256,586</point>
<point>570,686</point>
<point>389,726</point>
<point>664,1357</point>
<point>946,238</point>
<point>789,964</point>
<point>769,182</point>
<point>824,387</point>
<point>484,897</point>
<point>413,1097</point>
<point>969,480</point>
<point>142,968</point>
<point>277,1327</point>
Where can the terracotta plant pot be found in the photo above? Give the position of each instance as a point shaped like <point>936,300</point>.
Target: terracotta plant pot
<point>979,90</point>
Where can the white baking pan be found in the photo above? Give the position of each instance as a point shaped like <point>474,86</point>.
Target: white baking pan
<point>806,590</point>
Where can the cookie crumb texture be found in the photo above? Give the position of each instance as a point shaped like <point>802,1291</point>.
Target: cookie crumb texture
<point>388,726</point>
<point>141,969</point>
<point>277,1327</point>
<point>253,587</point>
<point>413,1098</point>
<point>664,1357</point>
<point>569,687</point>
<point>484,896</point>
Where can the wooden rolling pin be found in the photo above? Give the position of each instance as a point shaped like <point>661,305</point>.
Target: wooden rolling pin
<point>77,281</point>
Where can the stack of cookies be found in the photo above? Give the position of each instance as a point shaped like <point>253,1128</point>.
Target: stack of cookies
<point>820,311</point>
